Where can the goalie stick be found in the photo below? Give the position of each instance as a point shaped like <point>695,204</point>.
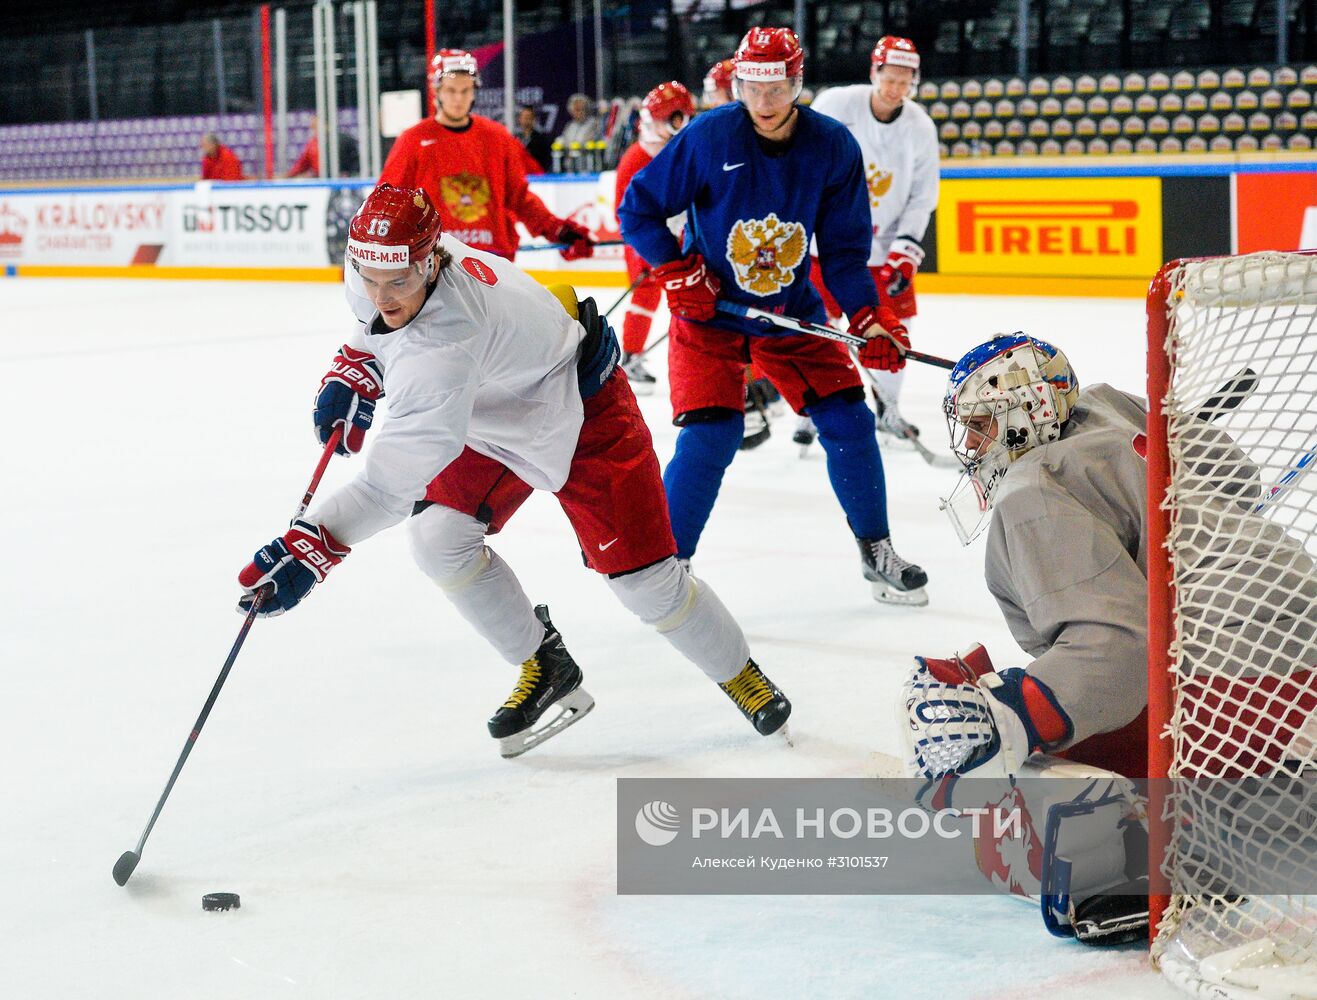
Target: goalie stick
<point>127,863</point>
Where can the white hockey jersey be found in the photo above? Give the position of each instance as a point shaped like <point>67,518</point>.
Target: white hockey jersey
<point>900,163</point>
<point>489,362</point>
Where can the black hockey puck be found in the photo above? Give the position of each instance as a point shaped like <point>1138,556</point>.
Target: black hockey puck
<point>220,901</point>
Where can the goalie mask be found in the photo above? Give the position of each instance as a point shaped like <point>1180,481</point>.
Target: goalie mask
<point>1004,398</point>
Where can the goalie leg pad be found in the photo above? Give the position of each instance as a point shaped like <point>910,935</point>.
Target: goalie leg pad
<point>687,613</point>
<point>449,547</point>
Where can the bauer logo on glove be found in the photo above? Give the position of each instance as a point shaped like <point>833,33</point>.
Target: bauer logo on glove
<point>289,567</point>
<point>347,398</point>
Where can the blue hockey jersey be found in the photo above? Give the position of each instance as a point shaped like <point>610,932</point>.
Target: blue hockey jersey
<point>751,214</point>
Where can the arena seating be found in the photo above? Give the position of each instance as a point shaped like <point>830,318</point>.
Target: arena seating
<point>142,147</point>
<point>1230,110</point>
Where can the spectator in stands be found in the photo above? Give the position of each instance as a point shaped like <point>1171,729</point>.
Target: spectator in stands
<point>583,127</point>
<point>535,141</point>
<point>308,162</point>
<point>218,162</point>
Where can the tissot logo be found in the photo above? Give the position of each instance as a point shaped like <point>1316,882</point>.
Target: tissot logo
<point>1089,228</point>
<point>244,218</point>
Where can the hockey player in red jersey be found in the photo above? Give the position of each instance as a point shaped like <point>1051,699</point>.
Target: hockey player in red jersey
<point>497,387</point>
<point>474,170</point>
<point>899,142</point>
<point>718,83</point>
<point>663,112</point>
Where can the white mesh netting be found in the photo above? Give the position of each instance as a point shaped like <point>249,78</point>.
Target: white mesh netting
<point>1243,537</point>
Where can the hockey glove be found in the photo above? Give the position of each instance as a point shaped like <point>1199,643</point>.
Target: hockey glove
<point>887,340</point>
<point>898,271</point>
<point>692,290</point>
<point>347,398</point>
<point>578,241</point>
<point>965,719</point>
<point>292,565</point>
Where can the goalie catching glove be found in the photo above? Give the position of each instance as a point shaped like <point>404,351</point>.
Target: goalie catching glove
<point>347,398</point>
<point>291,566</point>
<point>962,718</point>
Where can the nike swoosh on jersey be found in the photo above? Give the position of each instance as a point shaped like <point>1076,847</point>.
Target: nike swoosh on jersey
<point>732,166</point>
<point>428,142</point>
<point>604,547</point>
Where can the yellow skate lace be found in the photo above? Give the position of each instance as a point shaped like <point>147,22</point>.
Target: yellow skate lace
<point>749,689</point>
<point>530,675</point>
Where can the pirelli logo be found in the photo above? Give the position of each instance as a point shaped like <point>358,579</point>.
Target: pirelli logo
<point>1056,228</point>
<point>1085,227</point>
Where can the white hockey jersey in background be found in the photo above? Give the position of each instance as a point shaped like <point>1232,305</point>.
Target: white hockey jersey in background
<point>900,163</point>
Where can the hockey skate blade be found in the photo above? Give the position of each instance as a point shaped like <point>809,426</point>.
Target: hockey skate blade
<point>885,593</point>
<point>572,709</point>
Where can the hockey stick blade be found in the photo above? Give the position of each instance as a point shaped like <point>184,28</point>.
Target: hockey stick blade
<point>1230,395</point>
<point>124,867</point>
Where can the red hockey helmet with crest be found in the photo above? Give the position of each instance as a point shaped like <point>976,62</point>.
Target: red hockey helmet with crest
<point>720,76</point>
<point>448,62</point>
<point>769,54</point>
<point>393,229</point>
<point>894,51</point>
<point>665,102</point>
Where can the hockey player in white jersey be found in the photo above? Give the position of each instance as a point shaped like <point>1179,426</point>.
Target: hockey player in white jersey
<point>497,387</point>
<point>899,143</point>
<point>1060,479</point>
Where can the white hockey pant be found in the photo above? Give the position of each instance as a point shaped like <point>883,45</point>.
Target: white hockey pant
<point>450,549</point>
<point>687,613</point>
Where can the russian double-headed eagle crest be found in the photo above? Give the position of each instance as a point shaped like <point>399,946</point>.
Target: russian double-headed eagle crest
<point>880,182</point>
<point>765,253</point>
<point>466,195</point>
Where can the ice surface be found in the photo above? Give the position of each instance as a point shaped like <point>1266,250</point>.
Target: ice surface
<point>158,432</point>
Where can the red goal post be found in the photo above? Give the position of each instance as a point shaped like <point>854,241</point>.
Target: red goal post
<point>1232,617</point>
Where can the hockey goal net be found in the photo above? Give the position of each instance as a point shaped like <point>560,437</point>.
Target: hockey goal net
<point>1232,486</point>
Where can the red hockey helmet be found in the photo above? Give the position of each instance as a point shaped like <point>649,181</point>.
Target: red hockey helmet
<point>719,77</point>
<point>769,54</point>
<point>665,102</point>
<point>393,229</point>
<point>894,51</point>
<point>447,62</point>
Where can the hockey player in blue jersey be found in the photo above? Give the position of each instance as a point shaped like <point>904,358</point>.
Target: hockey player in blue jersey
<point>757,178</point>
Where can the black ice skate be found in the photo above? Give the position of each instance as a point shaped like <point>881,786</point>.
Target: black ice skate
<point>756,430</point>
<point>759,699</point>
<point>805,434</point>
<point>895,581</point>
<point>642,381</point>
<point>549,680</point>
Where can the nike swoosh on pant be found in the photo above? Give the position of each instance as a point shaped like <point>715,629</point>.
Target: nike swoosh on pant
<point>604,547</point>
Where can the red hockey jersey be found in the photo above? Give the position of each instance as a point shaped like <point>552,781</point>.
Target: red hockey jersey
<point>477,180</point>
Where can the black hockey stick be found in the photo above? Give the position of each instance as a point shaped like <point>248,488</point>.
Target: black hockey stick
<point>127,863</point>
<point>826,332</point>
<point>1230,395</point>
<point>623,297</point>
<point>562,246</point>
